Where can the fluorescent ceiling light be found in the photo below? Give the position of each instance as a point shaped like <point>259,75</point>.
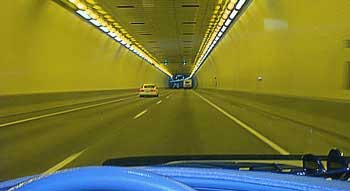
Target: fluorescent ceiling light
<point>104,29</point>
<point>84,14</point>
<point>112,34</point>
<point>118,39</point>
<point>123,42</point>
<point>233,14</point>
<point>240,4</point>
<point>220,34</point>
<point>96,23</point>
<point>228,21</point>
<point>223,29</point>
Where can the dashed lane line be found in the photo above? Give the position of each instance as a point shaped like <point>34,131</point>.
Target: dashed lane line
<point>140,114</point>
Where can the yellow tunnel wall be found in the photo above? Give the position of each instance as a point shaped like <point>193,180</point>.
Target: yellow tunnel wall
<point>298,47</point>
<point>46,48</point>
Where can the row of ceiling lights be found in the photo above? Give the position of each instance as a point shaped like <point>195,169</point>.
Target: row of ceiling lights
<point>232,10</point>
<point>99,22</point>
<point>217,13</point>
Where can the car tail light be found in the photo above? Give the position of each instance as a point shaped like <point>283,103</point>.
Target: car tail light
<point>153,90</point>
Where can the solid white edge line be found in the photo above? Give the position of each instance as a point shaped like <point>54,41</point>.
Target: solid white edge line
<point>63,163</point>
<point>140,114</point>
<point>246,127</point>
<point>61,112</point>
<point>160,101</point>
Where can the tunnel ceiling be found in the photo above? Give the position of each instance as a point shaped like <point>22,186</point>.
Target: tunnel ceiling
<point>170,30</point>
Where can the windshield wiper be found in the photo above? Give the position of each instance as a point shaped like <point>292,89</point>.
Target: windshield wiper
<point>246,166</point>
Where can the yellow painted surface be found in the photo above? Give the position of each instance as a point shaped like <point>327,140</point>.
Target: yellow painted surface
<point>46,48</point>
<point>297,46</point>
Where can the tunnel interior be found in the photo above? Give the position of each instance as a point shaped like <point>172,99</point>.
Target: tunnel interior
<point>233,77</point>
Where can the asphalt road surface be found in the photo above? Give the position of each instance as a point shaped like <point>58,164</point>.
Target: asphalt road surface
<point>179,122</point>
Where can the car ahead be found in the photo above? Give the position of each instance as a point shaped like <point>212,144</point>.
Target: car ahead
<point>187,84</point>
<point>148,90</point>
<point>199,173</point>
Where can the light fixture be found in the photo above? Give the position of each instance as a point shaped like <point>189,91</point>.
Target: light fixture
<point>220,34</point>
<point>222,21</point>
<point>231,5</point>
<point>84,14</point>
<point>240,4</point>
<point>223,29</point>
<point>233,14</point>
<point>104,29</point>
<point>225,15</point>
<point>103,22</point>
<point>112,34</point>
<point>228,21</point>
<point>95,22</point>
<point>118,39</point>
<point>91,14</point>
<point>80,6</point>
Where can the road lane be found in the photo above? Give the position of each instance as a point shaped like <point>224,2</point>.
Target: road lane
<point>246,127</point>
<point>176,123</point>
<point>61,107</point>
<point>36,146</point>
<point>182,124</point>
<point>13,105</point>
<point>75,109</point>
<point>140,114</point>
<point>295,137</point>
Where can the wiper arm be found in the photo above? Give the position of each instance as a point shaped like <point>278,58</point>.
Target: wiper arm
<point>337,166</point>
<point>249,166</point>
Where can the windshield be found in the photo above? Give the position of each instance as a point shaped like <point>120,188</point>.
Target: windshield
<point>85,81</point>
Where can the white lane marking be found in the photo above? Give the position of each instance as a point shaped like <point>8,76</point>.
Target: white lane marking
<point>246,127</point>
<point>160,101</point>
<point>64,162</point>
<point>168,96</point>
<point>61,112</point>
<point>140,114</point>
